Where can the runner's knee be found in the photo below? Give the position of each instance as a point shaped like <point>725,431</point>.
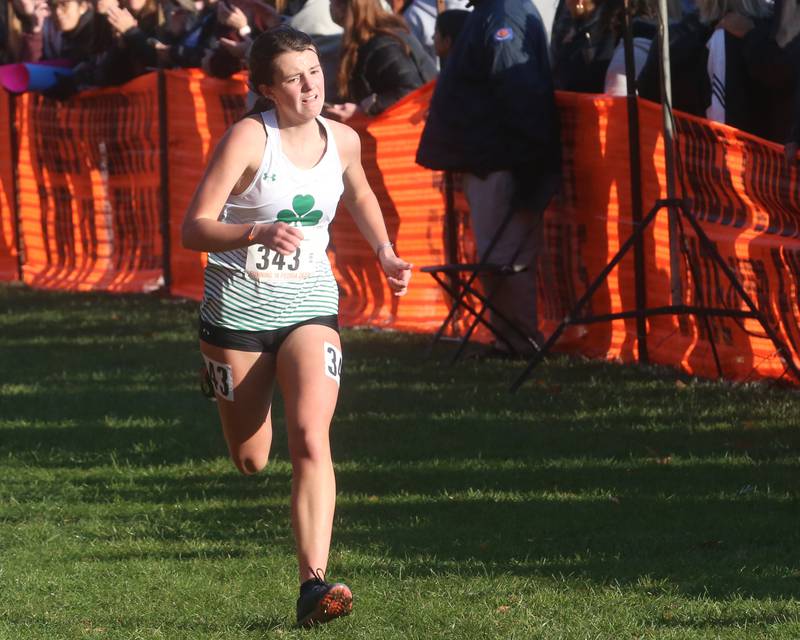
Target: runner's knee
<point>249,463</point>
<point>311,444</point>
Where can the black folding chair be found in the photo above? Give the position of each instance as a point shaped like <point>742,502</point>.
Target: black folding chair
<point>458,280</point>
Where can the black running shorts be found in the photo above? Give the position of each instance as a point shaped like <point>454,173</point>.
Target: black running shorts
<point>257,341</point>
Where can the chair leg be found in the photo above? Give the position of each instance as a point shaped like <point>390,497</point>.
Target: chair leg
<point>454,307</point>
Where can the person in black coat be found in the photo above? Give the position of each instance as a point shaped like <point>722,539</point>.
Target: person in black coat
<point>758,76</point>
<point>583,43</point>
<point>381,60</point>
<point>133,22</point>
<point>768,51</point>
<point>493,118</point>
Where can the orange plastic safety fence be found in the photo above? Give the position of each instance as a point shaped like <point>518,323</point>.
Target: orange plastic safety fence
<point>8,245</point>
<point>89,189</point>
<point>412,202</point>
<point>89,180</point>
<point>747,203</point>
<point>199,110</point>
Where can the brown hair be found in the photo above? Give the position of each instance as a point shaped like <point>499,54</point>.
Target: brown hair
<point>263,52</point>
<point>363,20</point>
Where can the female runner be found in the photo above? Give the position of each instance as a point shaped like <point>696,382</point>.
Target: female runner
<point>270,304</point>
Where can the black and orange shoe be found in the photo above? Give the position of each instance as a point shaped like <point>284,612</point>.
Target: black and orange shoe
<point>322,601</point>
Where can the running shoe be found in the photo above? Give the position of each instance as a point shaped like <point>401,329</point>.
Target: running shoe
<point>322,601</point>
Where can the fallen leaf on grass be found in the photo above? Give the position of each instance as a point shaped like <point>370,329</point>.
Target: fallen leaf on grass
<point>658,457</point>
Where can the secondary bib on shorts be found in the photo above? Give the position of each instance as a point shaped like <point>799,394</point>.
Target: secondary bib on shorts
<point>255,288</point>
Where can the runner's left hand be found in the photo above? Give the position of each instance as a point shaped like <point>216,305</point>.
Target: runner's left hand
<point>397,270</point>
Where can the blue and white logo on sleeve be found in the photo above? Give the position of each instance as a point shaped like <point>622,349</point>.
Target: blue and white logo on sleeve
<point>503,34</point>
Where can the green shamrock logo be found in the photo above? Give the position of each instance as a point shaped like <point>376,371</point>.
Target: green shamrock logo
<point>302,213</point>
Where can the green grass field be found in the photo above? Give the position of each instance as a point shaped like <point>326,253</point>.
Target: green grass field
<point>600,501</point>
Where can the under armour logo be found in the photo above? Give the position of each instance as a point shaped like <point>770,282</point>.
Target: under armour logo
<point>269,176</point>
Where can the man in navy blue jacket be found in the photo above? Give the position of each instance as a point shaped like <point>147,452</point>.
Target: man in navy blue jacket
<point>493,118</point>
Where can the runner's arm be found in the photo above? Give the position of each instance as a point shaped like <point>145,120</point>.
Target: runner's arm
<point>234,159</point>
<point>362,204</point>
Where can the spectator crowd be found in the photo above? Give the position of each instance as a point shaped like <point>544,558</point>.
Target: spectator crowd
<point>733,61</point>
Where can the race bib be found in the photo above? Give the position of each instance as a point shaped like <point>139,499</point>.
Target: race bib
<point>220,376</point>
<point>333,362</point>
<point>267,265</point>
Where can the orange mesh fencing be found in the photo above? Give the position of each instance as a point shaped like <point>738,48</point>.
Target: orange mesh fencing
<point>89,189</point>
<point>586,223</point>
<point>747,202</point>
<point>199,110</point>
<point>9,269</point>
<point>89,202</point>
<point>412,202</point>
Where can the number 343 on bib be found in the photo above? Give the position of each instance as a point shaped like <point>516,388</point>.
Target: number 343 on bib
<point>268,265</point>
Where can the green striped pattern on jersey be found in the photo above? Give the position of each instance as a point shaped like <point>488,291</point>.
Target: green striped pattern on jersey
<point>235,301</point>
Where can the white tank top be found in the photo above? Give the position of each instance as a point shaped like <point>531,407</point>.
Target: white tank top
<point>255,289</point>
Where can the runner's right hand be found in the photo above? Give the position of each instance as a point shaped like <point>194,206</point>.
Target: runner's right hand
<point>278,236</point>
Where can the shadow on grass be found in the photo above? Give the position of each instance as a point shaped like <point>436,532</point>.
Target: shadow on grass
<point>594,471</point>
<point>735,621</point>
<point>718,547</point>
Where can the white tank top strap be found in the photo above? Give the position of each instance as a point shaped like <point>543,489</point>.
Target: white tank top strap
<point>270,120</point>
<point>329,159</point>
<point>331,150</point>
<point>267,159</point>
